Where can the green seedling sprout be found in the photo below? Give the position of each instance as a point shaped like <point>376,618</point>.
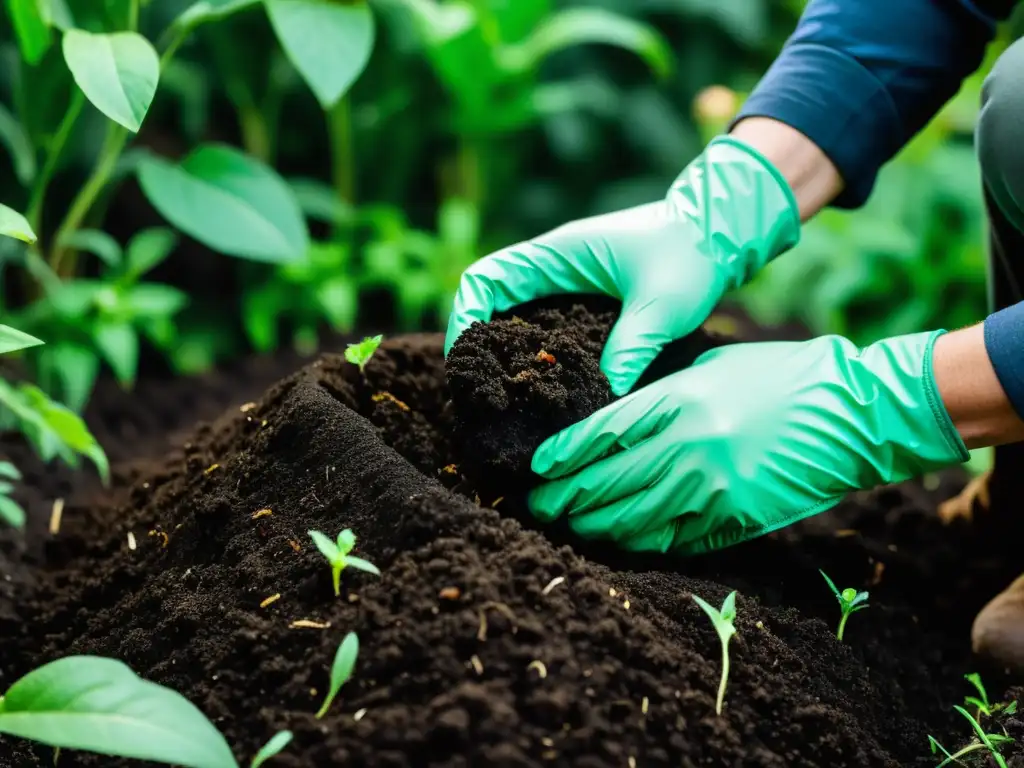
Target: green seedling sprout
<point>723,622</point>
<point>981,702</point>
<point>850,601</point>
<point>337,554</point>
<point>272,748</point>
<point>360,353</point>
<point>992,742</point>
<point>341,669</point>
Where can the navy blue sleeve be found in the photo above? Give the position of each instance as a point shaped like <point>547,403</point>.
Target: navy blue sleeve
<point>1004,342</point>
<point>861,77</point>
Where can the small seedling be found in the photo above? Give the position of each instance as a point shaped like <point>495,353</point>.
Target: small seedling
<point>723,622</point>
<point>992,742</point>
<point>271,748</point>
<point>341,669</point>
<point>360,353</point>
<point>850,601</point>
<point>981,702</point>
<point>337,554</point>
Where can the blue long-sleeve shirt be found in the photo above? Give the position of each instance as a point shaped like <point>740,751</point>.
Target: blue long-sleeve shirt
<point>861,77</point>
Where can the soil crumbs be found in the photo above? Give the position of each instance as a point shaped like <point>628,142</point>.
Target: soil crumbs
<point>489,640</point>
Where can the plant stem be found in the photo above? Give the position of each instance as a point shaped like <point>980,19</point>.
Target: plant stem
<point>255,135</point>
<point>53,152</point>
<point>339,125</point>
<point>336,577</point>
<point>725,678</point>
<point>842,626</point>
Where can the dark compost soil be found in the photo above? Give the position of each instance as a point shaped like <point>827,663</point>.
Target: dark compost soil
<point>489,640</point>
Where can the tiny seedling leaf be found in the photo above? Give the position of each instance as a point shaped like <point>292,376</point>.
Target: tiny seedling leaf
<point>272,748</point>
<point>327,547</point>
<point>341,669</point>
<point>11,340</point>
<point>346,541</point>
<point>360,353</point>
<point>831,584</point>
<point>362,565</point>
<point>100,705</point>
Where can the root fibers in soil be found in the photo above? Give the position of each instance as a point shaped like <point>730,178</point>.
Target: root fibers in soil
<point>489,641</point>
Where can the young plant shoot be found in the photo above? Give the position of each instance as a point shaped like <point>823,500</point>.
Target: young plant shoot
<point>341,669</point>
<point>337,554</point>
<point>360,354</point>
<point>850,601</point>
<point>990,742</point>
<point>981,702</point>
<point>723,622</point>
<point>272,748</point>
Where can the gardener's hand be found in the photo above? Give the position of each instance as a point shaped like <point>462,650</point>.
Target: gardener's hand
<point>669,262</point>
<point>751,438</point>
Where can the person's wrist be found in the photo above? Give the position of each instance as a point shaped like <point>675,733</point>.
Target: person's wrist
<point>970,390</point>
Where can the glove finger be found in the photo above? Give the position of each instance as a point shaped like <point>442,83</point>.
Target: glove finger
<point>520,273</point>
<point>655,315</point>
<point>606,481</point>
<point>617,426</point>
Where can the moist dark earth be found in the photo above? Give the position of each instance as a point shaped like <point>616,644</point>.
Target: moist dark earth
<point>488,639</point>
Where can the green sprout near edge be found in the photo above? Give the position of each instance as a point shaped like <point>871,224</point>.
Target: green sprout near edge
<point>337,554</point>
<point>271,749</point>
<point>361,352</point>
<point>850,601</point>
<point>341,670</point>
<point>723,622</point>
<point>981,702</point>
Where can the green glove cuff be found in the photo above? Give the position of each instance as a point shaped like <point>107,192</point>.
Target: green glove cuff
<point>742,203</point>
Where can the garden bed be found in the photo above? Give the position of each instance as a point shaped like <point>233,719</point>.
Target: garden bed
<point>488,639</point>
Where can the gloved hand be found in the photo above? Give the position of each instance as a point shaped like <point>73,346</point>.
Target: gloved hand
<point>669,262</point>
<point>751,438</point>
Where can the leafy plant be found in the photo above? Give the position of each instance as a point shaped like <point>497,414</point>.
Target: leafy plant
<point>723,621</point>
<point>850,601</point>
<point>981,701</point>
<point>100,705</point>
<point>337,554</point>
<point>982,741</point>
<point>10,510</point>
<point>272,748</point>
<point>361,352</point>
<point>341,669</point>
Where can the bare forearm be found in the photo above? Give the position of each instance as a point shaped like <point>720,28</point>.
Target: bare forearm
<point>812,176</point>
<point>971,392</point>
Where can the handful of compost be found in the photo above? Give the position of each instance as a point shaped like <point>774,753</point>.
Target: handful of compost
<point>532,372</point>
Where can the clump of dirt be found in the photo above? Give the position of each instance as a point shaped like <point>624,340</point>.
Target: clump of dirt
<point>483,642</point>
<point>522,377</point>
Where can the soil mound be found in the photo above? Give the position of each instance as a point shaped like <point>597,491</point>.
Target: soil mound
<point>485,642</point>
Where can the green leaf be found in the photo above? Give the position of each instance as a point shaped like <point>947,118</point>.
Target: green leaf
<point>361,352</point>
<point>262,307</point>
<point>73,368</point>
<point>831,584</point>
<point>147,249</point>
<point>339,299</point>
<point>119,345</point>
<point>362,565</point>
<point>11,340</point>
<point>320,201</point>
<point>328,42</point>
<point>9,471</point>
<point>11,512</point>
<point>154,300</point>
<point>228,201</point>
<point>117,71</point>
<point>271,748</point>
<point>96,242</point>
<point>31,29</point>
<point>99,705</point>
<point>13,224</point>
<point>211,10</point>
<point>23,154</point>
<point>341,669</point>
<point>327,547</point>
<point>577,26</point>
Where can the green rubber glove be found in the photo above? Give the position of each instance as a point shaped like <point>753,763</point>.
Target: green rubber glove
<point>669,262</point>
<point>751,438</point>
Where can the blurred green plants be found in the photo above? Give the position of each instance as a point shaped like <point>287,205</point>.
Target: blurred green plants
<point>354,157</point>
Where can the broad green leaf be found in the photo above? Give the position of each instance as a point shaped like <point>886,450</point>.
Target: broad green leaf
<point>57,14</point>
<point>271,748</point>
<point>211,10</point>
<point>147,249</point>
<point>153,300</point>
<point>117,71</point>
<point>96,242</point>
<point>23,154</point>
<point>31,29</point>
<point>13,224</point>
<point>578,26</point>
<point>11,512</point>
<point>119,345</point>
<point>339,299</point>
<point>11,340</point>
<point>70,369</point>
<point>99,705</point>
<point>341,669</point>
<point>328,42</point>
<point>228,201</point>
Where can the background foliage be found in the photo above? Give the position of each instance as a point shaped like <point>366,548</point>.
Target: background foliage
<point>209,178</point>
